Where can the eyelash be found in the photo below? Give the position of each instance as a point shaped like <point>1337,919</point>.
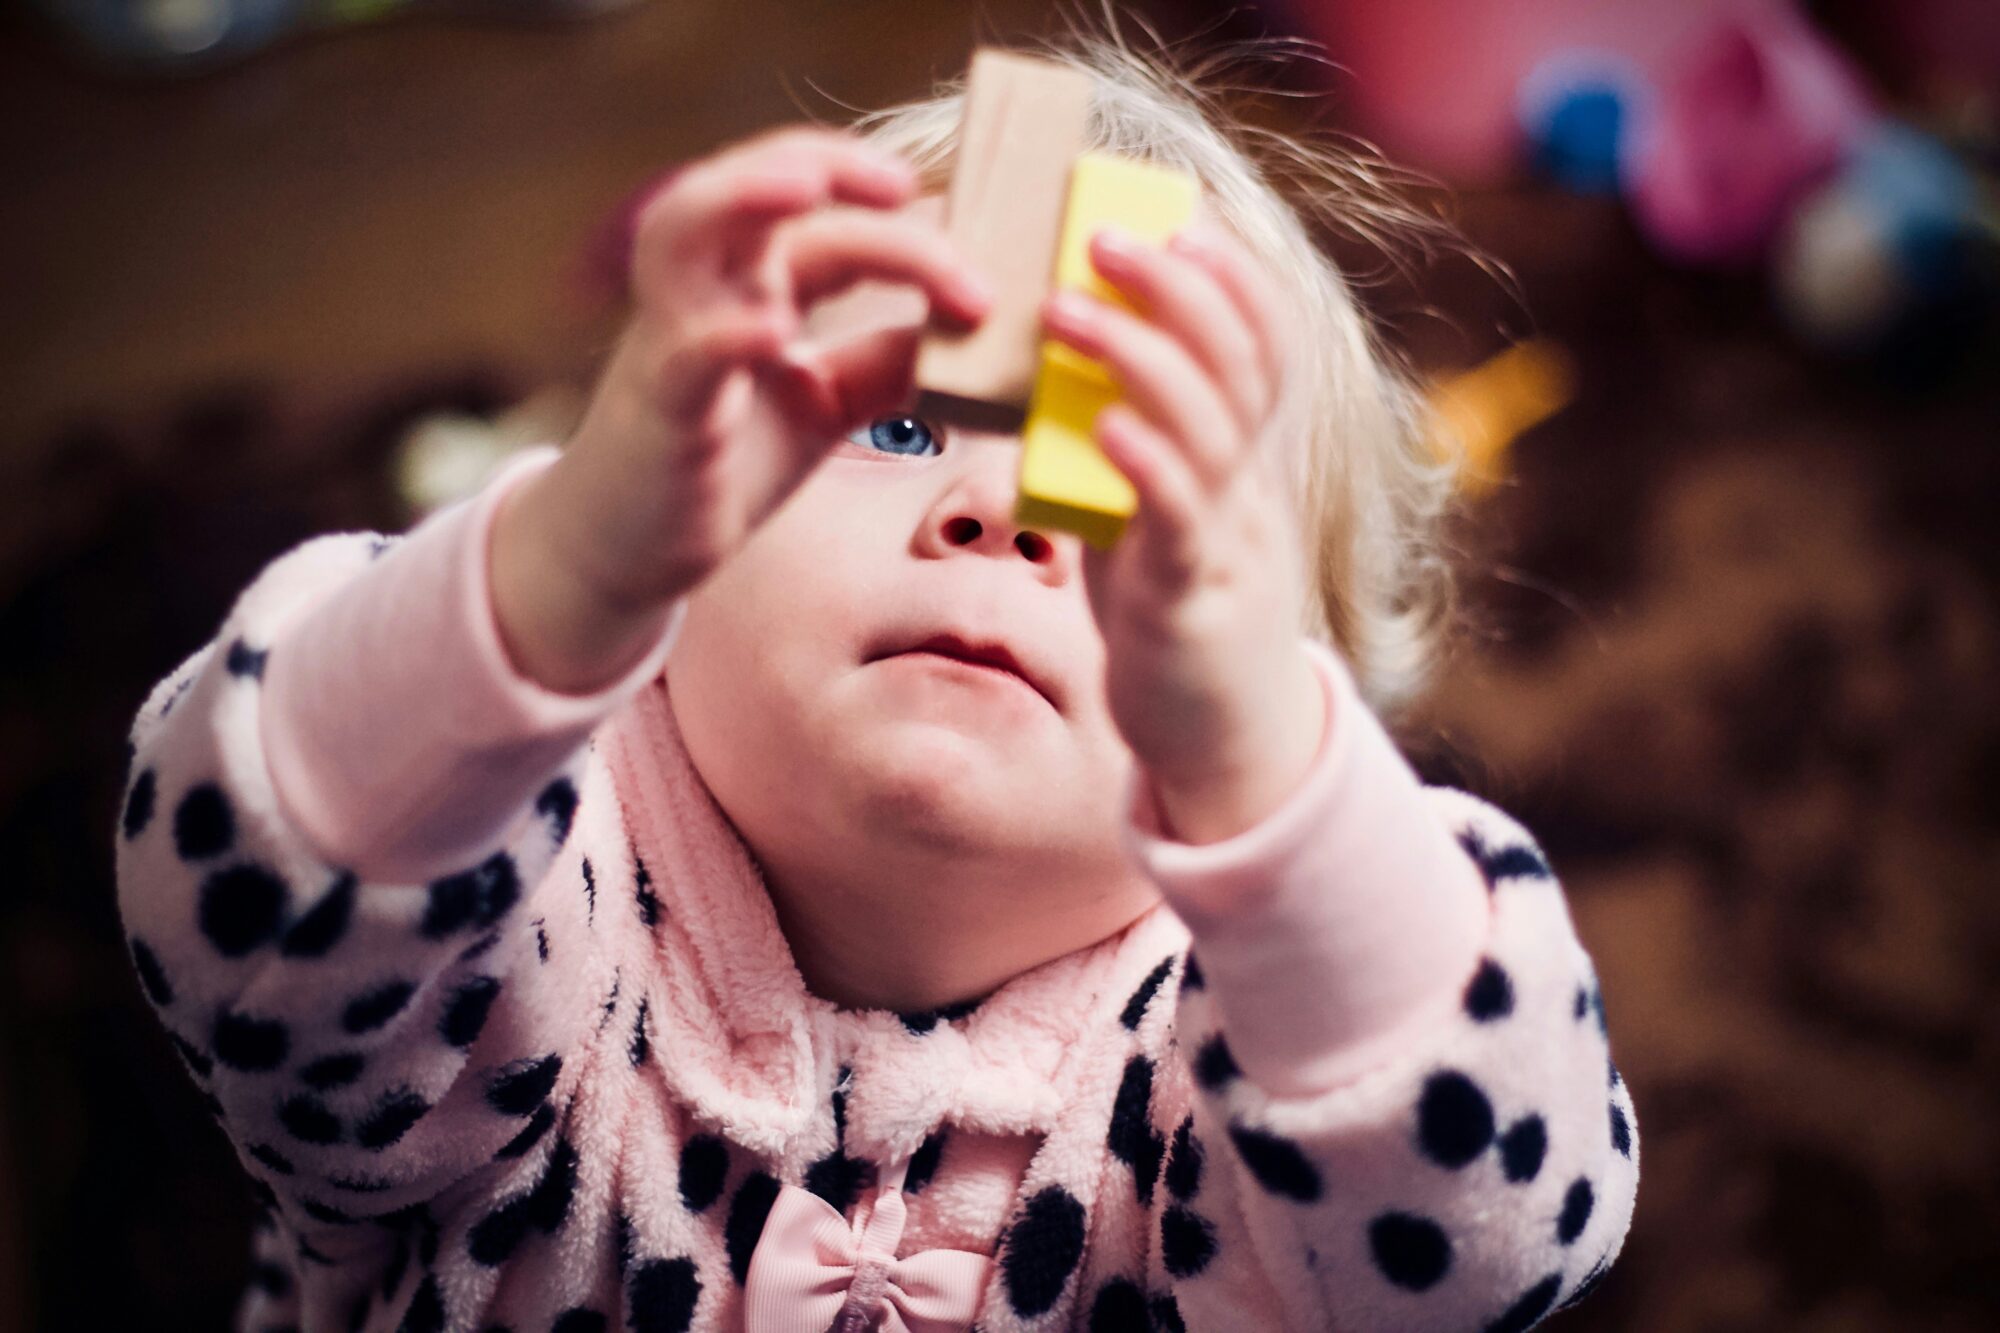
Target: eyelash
<point>862,437</point>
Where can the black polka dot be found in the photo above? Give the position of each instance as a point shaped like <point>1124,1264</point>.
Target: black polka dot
<point>271,1279</point>
<point>1589,1283</point>
<point>1491,994</point>
<point>1132,1138</point>
<point>1523,1314</point>
<point>704,1167</point>
<point>661,1296</point>
<point>640,1045</point>
<point>360,1184</point>
<point>1621,1131</point>
<point>1576,1211</point>
<point>531,1133</point>
<point>1187,1241</point>
<point>465,1011</point>
<point>1277,1163</point>
<point>307,1119</point>
<point>1184,1163</point>
<point>556,1189</point>
<point>390,1119</point>
<point>1214,1066</point>
<point>315,933</point>
<point>557,804</point>
<point>1522,1148</point>
<point>524,1086</point>
<point>1582,1005</point>
<point>204,823</point>
<point>1135,1008</point>
<point>333,1071</point>
<point>1042,1249</point>
<point>1120,1307</point>
<point>1522,860</point>
<point>325,1212</point>
<point>151,975</point>
<point>476,897</point>
<point>1191,977</point>
<point>1167,1314</point>
<point>250,1044</point>
<point>241,907</point>
<point>924,1162</point>
<point>271,1158</point>
<point>139,804</point>
<point>426,1310</point>
<point>578,1319</point>
<point>245,662</point>
<point>748,1212</point>
<point>1454,1119</point>
<point>541,942</point>
<point>1611,1072</point>
<point>1410,1251</point>
<point>589,894</point>
<point>643,896</point>
<point>621,1240</point>
<point>494,1237</point>
<point>484,944</point>
<point>372,1008</point>
<point>838,1178</point>
<point>200,1064</point>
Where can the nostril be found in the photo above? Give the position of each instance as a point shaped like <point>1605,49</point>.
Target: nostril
<point>962,531</point>
<point>1034,545</point>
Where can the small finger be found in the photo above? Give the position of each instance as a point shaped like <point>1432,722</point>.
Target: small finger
<point>687,379</point>
<point>835,250</point>
<point>1248,286</point>
<point>1158,376</point>
<point>1169,505</point>
<point>1186,299</point>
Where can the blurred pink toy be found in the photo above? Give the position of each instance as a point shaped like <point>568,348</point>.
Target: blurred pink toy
<point>1754,114</point>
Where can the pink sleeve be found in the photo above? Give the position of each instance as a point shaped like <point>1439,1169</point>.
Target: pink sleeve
<point>1341,925</point>
<point>400,736</point>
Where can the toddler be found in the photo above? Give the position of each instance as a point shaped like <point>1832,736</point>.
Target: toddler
<point>727,875</point>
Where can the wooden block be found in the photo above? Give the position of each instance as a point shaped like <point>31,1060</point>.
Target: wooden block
<point>1023,126</point>
<point>1066,481</point>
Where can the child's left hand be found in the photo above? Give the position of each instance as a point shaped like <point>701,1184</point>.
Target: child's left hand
<point>1197,603</point>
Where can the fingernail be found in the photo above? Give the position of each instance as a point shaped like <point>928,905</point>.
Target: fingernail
<point>1117,242</point>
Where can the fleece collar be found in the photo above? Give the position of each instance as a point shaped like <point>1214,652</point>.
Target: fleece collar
<point>758,1056</point>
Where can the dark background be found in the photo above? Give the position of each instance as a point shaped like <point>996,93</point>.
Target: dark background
<point>1730,648</point>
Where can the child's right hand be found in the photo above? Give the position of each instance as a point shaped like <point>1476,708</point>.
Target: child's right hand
<point>710,412</point>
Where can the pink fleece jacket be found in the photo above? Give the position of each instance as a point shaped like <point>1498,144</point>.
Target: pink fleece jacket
<point>489,996</point>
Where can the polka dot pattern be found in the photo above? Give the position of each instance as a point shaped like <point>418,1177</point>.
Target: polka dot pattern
<point>1041,1251</point>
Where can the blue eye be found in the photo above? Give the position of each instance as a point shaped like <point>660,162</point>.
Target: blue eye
<point>897,435</point>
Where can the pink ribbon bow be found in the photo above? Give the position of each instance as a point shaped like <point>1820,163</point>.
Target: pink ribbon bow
<point>811,1274</point>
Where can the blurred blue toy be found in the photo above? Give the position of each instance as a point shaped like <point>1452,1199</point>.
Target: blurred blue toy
<point>1902,234</point>
<point>1576,110</point>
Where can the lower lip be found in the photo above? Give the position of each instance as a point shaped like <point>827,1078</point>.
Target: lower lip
<point>973,668</point>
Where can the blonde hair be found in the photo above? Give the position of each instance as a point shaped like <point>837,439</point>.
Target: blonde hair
<point>1368,489</point>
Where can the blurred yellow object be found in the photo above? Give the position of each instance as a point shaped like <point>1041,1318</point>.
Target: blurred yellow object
<point>1477,414</point>
<point>1066,481</point>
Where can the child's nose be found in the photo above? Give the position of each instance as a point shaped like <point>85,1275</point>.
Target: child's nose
<point>975,513</point>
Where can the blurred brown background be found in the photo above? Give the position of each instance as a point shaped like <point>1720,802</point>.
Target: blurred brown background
<point>1732,647</point>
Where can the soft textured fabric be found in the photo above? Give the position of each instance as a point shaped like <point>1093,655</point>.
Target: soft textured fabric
<point>490,998</point>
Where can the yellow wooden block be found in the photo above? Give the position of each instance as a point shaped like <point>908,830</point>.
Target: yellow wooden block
<point>1066,481</point>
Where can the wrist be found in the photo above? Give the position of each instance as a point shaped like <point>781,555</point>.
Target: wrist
<point>1242,783</point>
<point>559,627</point>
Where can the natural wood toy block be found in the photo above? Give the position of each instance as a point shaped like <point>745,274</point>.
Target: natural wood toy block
<point>1066,481</point>
<point>1023,125</point>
